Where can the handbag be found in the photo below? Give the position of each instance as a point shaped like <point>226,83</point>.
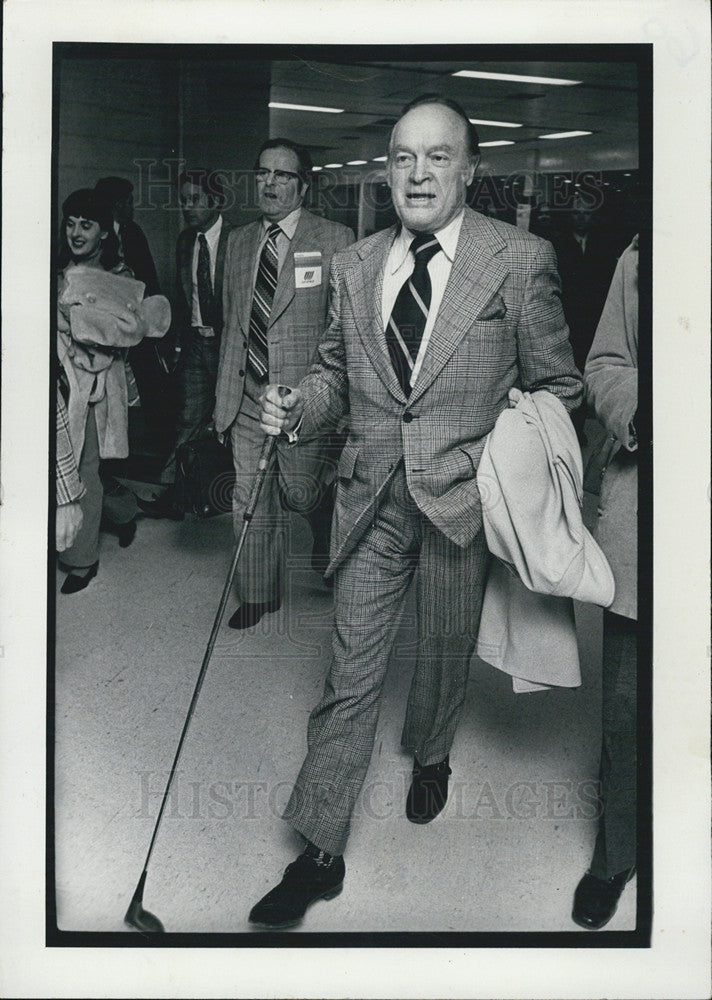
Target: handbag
<point>205,477</point>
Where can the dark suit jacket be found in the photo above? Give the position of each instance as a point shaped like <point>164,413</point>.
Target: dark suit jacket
<point>184,262</point>
<point>137,255</point>
<point>585,279</point>
<point>298,317</point>
<point>500,324</point>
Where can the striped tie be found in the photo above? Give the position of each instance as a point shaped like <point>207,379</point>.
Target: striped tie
<point>257,356</point>
<point>410,312</point>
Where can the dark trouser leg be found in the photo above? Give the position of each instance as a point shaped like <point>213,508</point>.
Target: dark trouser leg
<point>615,849</point>
<point>196,399</point>
<point>119,505</point>
<point>85,550</point>
<point>450,586</point>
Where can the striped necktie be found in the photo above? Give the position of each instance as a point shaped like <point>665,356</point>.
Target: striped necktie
<point>410,312</point>
<point>257,355</point>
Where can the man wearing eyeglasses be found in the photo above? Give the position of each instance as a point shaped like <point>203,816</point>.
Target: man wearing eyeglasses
<point>275,306</point>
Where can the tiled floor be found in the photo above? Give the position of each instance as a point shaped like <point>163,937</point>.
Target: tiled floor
<point>504,856</point>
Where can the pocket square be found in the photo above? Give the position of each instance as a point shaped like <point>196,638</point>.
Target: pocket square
<point>495,309</point>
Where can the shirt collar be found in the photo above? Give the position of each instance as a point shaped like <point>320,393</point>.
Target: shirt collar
<point>447,238</point>
<point>288,224</point>
<point>212,235</point>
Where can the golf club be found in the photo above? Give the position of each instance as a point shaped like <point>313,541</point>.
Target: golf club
<point>136,916</point>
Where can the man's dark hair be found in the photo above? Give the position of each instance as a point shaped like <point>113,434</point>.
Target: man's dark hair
<point>301,152</point>
<point>208,180</point>
<point>113,189</point>
<point>473,140</point>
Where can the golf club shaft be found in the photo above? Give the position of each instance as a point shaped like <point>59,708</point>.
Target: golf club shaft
<point>262,466</point>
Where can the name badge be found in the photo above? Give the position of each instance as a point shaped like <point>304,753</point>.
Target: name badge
<point>307,269</point>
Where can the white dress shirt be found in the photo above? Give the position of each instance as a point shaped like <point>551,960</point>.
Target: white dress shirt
<point>287,228</point>
<point>581,240</point>
<point>399,267</point>
<point>212,238</point>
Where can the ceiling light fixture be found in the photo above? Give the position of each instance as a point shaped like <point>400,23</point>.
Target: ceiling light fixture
<point>332,166</point>
<point>305,107</point>
<point>355,163</point>
<point>563,135</point>
<point>516,78</point>
<point>498,142</point>
<point>379,159</point>
<point>482,121</point>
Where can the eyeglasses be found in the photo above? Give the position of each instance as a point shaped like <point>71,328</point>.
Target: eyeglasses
<point>280,176</point>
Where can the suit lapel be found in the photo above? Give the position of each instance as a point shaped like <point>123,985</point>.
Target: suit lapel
<point>475,276</point>
<point>220,260</point>
<point>364,285</point>
<point>285,290</point>
<point>186,260</point>
<point>245,262</point>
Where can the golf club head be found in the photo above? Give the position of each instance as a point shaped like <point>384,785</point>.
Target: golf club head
<point>142,920</point>
<point>138,918</point>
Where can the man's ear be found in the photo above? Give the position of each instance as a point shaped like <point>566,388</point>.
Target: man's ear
<point>472,170</point>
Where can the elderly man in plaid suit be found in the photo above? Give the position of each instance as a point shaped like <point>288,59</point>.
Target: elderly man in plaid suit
<point>431,324</point>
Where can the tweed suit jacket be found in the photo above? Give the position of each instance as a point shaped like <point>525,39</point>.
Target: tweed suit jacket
<point>298,317</point>
<point>500,324</point>
<point>184,270</point>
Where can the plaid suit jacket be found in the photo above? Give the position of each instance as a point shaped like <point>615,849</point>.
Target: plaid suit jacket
<point>500,324</point>
<point>298,316</point>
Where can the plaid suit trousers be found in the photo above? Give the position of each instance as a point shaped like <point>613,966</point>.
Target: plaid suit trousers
<point>370,588</point>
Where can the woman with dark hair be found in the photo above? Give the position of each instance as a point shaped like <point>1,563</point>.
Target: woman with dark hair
<point>101,313</point>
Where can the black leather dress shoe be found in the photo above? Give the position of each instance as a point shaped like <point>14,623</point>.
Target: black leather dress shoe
<point>248,615</point>
<point>428,791</point>
<point>161,506</point>
<point>303,883</point>
<point>74,581</point>
<point>596,899</point>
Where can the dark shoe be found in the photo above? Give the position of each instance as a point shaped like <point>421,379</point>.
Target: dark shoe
<point>126,533</point>
<point>249,614</point>
<point>162,506</point>
<point>304,881</point>
<point>74,582</point>
<point>428,791</point>
<point>596,900</point>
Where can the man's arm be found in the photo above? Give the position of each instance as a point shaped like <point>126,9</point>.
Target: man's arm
<point>545,357</point>
<point>611,376</point>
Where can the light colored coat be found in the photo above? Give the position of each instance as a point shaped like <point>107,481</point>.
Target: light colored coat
<point>611,383</point>
<point>500,325</point>
<point>99,315</point>
<point>298,317</point>
<point>531,483</point>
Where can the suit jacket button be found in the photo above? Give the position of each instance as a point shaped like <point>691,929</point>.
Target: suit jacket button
<point>407,417</point>
<point>241,373</point>
<point>244,344</point>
